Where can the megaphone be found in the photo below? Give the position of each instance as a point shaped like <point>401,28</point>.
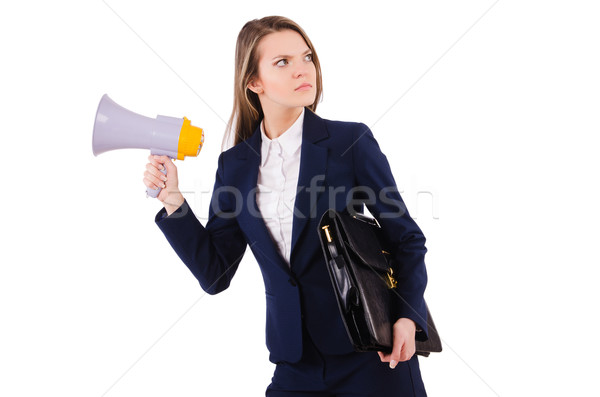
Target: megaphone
<point>118,128</point>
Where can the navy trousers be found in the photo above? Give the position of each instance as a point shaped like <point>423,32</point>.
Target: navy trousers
<point>353,374</point>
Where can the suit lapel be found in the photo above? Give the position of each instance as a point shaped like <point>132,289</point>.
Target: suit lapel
<point>311,179</point>
<point>311,182</point>
<point>250,154</point>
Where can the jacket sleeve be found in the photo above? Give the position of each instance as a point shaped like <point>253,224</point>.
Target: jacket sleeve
<point>212,253</point>
<point>378,190</point>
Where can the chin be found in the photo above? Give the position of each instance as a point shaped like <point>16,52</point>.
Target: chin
<point>301,104</point>
<point>308,102</point>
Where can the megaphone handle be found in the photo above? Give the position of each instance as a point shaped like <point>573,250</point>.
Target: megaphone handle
<point>155,192</point>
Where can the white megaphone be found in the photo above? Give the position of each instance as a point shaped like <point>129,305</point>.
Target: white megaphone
<point>118,128</point>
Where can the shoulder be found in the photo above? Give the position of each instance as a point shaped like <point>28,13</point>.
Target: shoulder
<point>348,132</point>
<point>233,151</point>
<point>341,125</point>
<point>248,147</point>
<point>343,131</point>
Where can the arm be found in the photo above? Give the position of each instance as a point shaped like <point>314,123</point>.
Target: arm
<point>211,252</point>
<point>375,179</point>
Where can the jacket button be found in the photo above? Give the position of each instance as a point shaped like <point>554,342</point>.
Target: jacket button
<point>291,281</point>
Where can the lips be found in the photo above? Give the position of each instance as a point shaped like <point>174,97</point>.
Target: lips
<point>304,87</point>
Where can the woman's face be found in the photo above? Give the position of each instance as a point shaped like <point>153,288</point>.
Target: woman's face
<point>284,66</point>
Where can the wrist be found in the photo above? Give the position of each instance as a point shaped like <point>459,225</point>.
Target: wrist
<point>173,201</point>
<point>405,321</point>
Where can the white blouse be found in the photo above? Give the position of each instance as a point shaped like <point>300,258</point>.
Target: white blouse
<point>277,183</point>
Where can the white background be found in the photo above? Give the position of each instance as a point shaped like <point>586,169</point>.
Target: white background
<point>487,116</point>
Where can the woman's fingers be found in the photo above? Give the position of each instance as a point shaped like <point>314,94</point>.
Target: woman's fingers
<point>154,171</point>
<point>153,161</point>
<point>153,178</point>
<point>152,182</point>
<point>403,343</point>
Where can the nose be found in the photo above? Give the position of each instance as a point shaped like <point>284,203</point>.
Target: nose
<point>301,70</point>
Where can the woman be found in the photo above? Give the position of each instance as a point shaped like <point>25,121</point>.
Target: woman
<point>286,168</point>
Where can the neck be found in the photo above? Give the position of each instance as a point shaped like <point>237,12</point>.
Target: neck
<point>276,123</point>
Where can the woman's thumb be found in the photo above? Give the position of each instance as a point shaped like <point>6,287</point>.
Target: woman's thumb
<point>396,351</point>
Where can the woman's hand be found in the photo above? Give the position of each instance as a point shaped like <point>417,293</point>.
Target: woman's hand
<point>170,195</point>
<point>404,343</point>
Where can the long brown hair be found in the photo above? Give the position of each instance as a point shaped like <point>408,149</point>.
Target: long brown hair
<point>247,111</point>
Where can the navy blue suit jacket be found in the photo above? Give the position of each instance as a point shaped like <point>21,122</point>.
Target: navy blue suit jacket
<point>340,162</point>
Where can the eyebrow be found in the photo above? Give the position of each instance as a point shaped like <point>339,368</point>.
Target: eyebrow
<point>289,56</point>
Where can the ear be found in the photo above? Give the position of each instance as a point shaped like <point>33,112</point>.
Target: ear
<point>255,86</point>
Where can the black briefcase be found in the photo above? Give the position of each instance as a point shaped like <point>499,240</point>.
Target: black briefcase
<point>362,274</point>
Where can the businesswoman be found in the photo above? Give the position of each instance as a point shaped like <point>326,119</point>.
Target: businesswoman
<point>286,167</point>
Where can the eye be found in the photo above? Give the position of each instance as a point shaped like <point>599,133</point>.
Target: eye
<point>309,57</point>
<point>282,60</point>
